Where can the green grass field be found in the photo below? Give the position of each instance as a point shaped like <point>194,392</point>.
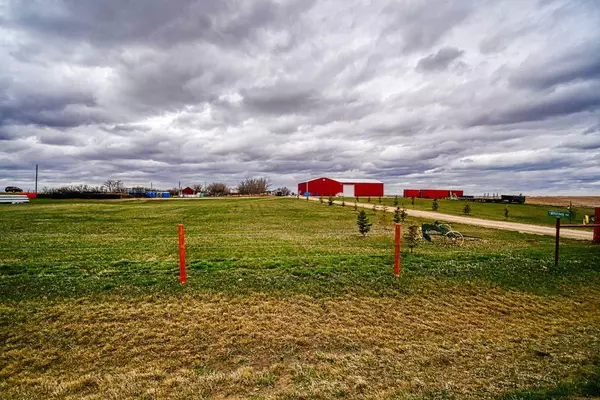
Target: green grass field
<point>524,213</point>
<point>285,300</point>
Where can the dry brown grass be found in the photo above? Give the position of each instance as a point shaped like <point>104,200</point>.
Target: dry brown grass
<point>465,342</point>
<point>578,201</point>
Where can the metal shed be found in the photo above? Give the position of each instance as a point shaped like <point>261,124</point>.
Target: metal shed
<point>349,187</point>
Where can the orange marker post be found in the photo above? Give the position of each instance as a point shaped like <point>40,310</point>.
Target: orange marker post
<point>182,274</point>
<point>397,240</point>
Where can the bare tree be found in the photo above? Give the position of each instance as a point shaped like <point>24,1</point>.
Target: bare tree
<point>217,189</point>
<point>284,191</point>
<point>110,184</point>
<point>197,188</point>
<point>114,186</point>
<point>254,186</point>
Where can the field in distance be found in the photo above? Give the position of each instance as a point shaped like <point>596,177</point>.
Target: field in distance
<point>285,300</point>
<point>577,201</point>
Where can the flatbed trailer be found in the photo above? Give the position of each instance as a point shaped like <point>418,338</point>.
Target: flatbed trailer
<point>506,199</point>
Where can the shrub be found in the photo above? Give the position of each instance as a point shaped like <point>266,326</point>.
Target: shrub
<point>363,223</point>
<point>505,212</point>
<point>435,206</point>
<point>330,201</point>
<point>396,201</point>
<point>343,203</point>
<point>412,201</point>
<point>321,199</point>
<point>379,200</point>
<point>369,199</point>
<point>403,214</point>
<point>467,209</point>
<point>355,206</point>
<point>357,200</point>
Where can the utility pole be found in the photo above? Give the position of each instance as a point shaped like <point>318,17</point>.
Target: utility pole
<point>36,178</point>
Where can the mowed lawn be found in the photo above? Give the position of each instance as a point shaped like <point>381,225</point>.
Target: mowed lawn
<point>285,300</point>
<point>524,213</point>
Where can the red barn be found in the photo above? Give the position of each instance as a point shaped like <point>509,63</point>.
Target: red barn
<point>348,187</point>
<point>187,191</point>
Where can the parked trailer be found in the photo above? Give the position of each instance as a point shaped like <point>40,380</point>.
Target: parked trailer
<point>506,199</point>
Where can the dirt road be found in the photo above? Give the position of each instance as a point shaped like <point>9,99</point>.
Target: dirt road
<point>509,226</point>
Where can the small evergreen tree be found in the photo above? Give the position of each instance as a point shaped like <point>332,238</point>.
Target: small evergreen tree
<point>412,201</point>
<point>403,214</point>
<point>369,199</point>
<point>397,215</point>
<point>343,203</point>
<point>396,201</point>
<point>384,215</point>
<point>435,206</point>
<point>330,201</point>
<point>321,199</point>
<point>363,223</point>
<point>505,212</point>
<point>467,209</point>
<point>412,239</point>
<point>379,199</point>
<point>355,206</point>
<point>357,200</point>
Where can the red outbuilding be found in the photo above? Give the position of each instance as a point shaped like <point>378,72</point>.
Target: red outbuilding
<point>432,193</point>
<point>348,187</point>
<point>187,191</point>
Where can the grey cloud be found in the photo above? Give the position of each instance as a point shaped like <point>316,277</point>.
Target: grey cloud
<point>113,22</point>
<point>440,60</point>
<point>421,25</point>
<point>578,65</point>
<point>282,99</point>
<point>553,105</point>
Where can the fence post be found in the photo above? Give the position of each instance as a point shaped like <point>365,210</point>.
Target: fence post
<point>397,240</point>
<point>557,241</point>
<point>182,273</point>
<point>596,237</point>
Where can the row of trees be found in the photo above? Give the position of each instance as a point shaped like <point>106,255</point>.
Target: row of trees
<point>249,186</point>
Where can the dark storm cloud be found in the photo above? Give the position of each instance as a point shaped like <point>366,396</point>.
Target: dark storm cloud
<point>190,90</point>
<point>440,60</point>
<point>421,24</point>
<point>152,22</point>
<point>282,99</point>
<point>553,105</point>
<point>581,64</point>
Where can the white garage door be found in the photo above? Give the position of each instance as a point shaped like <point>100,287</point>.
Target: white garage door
<point>348,190</point>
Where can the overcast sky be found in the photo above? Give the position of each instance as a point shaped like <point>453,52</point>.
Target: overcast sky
<point>485,96</point>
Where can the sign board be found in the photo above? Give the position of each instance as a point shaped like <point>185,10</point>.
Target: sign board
<point>558,214</point>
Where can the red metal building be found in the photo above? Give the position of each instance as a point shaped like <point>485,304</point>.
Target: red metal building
<point>348,187</point>
<point>432,193</point>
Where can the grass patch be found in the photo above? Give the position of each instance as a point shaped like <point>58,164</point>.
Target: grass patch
<point>524,213</point>
<point>285,300</point>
